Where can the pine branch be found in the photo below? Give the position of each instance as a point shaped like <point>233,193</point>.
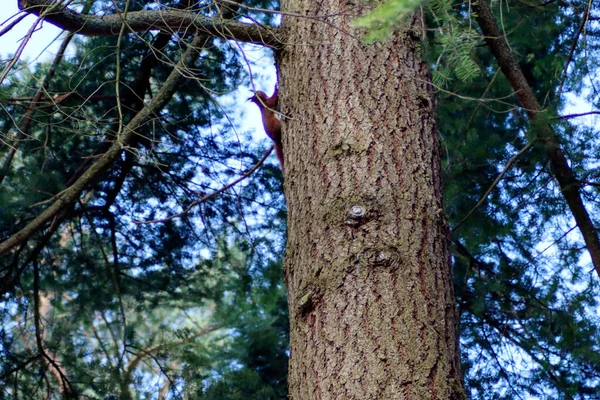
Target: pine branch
<point>510,162</point>
<point>70,195</point>
<point>563,173</point>
<point>66,388</point>
<point>211,195</point>
<point>26,120</point>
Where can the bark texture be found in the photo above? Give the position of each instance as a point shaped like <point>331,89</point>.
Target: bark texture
<point>370,294</point>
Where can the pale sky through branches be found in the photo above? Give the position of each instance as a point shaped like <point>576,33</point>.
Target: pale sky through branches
<point>44,43</point>
<point>39,42</point>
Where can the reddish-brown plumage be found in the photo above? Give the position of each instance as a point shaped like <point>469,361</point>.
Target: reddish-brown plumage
<point>272,124</point>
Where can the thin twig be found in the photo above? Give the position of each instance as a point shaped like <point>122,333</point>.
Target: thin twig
<point>585,18</point>
<point>577,115</point>
<point>13,23</point>
<point>66,384</point>
<point>211,195</point>
<point>487,193</point>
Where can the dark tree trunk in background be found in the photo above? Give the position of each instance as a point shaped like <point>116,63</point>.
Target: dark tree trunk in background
<point>370,293</point>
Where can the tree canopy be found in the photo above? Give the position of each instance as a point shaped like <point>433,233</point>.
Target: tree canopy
<point>142,229</point>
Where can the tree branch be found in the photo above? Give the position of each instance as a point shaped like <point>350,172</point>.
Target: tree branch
<point>563,173</point>
<point>26,120</point>
<point>142,21</point>
<point>70,195</point>
<point>66,388</point>
<point>578,115</point>
<point>211,195</point>
<point>584,20</point>
<point>510,162</point>
<point>20,366</point>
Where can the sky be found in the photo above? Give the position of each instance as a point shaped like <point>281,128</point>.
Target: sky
<point>39,42</point>
<point>45,41</point>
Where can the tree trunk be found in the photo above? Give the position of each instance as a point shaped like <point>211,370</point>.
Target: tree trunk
<point>370,292</point>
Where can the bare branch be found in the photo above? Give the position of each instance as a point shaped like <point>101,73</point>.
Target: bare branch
<point>70,195</point>
<point>142,21</point>
<point>213,194</point>
<point>12,24</point>
<point>568,183</point>
<point>578,115</point>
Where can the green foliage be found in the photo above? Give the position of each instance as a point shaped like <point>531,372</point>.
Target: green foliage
<point>381,22</point>
<point>195,307</point>
<point>455,41</point>
<point>455,36</point>
<point>133,309</point>
<point>522,278</point>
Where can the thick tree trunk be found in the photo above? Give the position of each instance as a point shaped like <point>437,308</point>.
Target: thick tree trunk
<point>370,293</point>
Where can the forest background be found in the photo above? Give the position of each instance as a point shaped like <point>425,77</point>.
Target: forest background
<point>164,278</point>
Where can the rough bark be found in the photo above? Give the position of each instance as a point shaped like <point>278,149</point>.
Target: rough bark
<point>370,294</point>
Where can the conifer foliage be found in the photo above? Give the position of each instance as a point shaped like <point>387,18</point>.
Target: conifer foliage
<point>130,268</point>
<point>95,301</point>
